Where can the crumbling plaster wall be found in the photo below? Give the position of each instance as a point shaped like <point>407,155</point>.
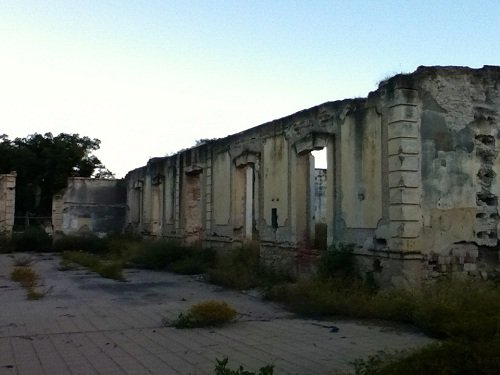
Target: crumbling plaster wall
<point>7,202</point>
<point>90,206</point>
<point>258,185</point>
<point>411,179</point>
<point>460,143</point>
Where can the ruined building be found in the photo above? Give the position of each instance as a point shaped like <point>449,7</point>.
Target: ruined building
<point>411,180</point>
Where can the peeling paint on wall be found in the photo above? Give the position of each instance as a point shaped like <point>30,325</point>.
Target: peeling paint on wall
<point>412,179</point>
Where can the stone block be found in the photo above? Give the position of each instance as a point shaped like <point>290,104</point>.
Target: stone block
<point>398,146</point>
<point>404,212</point>
<point>405,195</point>
<point>403,129</point>
<point>404,179</point>
<point>402,112</point>
<point>405,229</point>
<point>403,96</point>
<point>404,163</point>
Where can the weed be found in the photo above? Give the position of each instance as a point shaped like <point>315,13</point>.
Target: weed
<point>6,244</point>
<point>337,261</point>
<point>157,255</point>
<point>32,239</point>
<point>28,279</point>
<point>205,314</point>
<point>25,276</point>
<point>82,258</point>
<point>32,294</point>
<point>109,269</point>
<point>66,265</point>
<point>88,242</point>
<point>441,358</point>
<point>221,369</point>
<point>188,266</point>
<point>239,269</point>
<point>459,309</point>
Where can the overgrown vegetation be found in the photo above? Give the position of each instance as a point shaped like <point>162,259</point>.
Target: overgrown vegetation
<point>241,269</point>
<point>110,269</point>
<point>108,256</point>
<point>85,242</point>
<point>172,256</point>
<point>28,278</point>
<point>221,369</point>
<point>33,239</point>
<point>448,357</point>
<point>204,314</point>
<point>465,314</point>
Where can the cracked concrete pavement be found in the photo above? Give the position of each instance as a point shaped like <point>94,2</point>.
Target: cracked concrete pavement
<point>90,325</point>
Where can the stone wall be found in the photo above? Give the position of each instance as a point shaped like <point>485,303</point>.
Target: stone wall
<point>410,180</point>
<point>7,202</point>
<point>90,206</point>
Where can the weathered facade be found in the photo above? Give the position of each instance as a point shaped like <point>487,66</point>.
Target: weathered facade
<point>89,205</point>
<point>7,202</point>
<point>411,180</point>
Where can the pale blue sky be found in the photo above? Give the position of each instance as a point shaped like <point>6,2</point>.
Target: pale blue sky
<point>150,77</point>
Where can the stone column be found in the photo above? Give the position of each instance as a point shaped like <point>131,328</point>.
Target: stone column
<point>208,192</point>
<point>404,174</point>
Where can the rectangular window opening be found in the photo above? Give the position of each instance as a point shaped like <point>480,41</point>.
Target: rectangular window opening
<point>274,218</point>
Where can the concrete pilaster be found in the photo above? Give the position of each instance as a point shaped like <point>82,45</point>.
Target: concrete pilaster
<point>404,173</point>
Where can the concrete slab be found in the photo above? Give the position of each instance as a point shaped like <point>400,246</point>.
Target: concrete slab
<point>90,325</point>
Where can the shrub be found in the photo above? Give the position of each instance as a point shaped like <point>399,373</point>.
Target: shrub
<point>460,309</point>
<point>24,275</point>
<point>32,294</point>
<point>397,305</point>
<point>193,262</point>
<point>32,239</point>
<point>28,279</point>
<point>441,358</point>
<point>125,247</point>
<point>239,269</point>
<point>6,243</point>
<point>324,297</point>
<point>80,257</point>
<point>157,255</point>
<point>110,270</point>
<point>85,242</point>
<point>221,369</point>
<point>449,309</point>
<point>205,314</point>
<point>337,261</point>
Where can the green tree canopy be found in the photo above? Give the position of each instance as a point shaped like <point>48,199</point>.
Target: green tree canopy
<point>43,164</point>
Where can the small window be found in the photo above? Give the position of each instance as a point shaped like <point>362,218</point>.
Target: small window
<point>274,218</point>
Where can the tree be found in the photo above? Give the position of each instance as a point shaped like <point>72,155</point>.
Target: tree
<point>43,164</point>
